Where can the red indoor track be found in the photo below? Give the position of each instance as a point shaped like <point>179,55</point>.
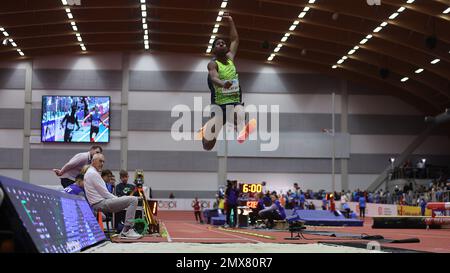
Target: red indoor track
<point>181,227</point>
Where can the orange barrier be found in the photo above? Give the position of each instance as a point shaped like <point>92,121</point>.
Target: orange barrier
<point>100,219</point>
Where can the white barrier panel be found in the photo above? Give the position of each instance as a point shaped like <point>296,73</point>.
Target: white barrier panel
<point>375,209</point>
<point>371,208</point>
<point>183,204</point>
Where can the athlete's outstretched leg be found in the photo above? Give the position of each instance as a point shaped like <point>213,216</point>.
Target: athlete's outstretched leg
<point>210,132</point>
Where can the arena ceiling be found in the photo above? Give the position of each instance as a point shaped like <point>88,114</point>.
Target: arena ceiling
<point>405,54</point>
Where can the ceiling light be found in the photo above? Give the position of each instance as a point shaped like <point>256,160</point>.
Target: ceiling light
<point>410,1</point>
<point>144,14</point>
<point>363,41</point>
<point>221,13</point>
<point>312,1</point>
<point>224,4</point>
<point>344,58</point>
<point>146,32</point>
<point>369,36</point>
<point>292,28</point>
<point>215,30</point>
<point>334,66</point>
<point>446,11</point>
<point>306,9</point>
<point>74,28</point>
<point>418,71</point>
<point>6,34</point>
<point>64,2</point>
<point>79,39</point>
<point>384,24</point>
<point>401,9</point>
<point>351,52</point>
<point>302,14</point>
<point>147,47</point>
<point>2,29</point>
<point>68,10</point>
<point>72,23</point>
<point>211,41</point>
<point>219,18</point>
<point>142,1</point>
<point>393,15</point>
<point>77,34</point>
<point>287,34</point>
<point>284,39</point>
<point>296,22</point>
<point>271,57</point>
<point>69,15</point>
<point>277,49</point>
<point>377,29</point>
<point>143,7</point>
<point>146,42</point>
<point>404,79</point>
<point>356,48</point>
<point>144,20</point>
<point>340,61</point>
<point>14,44</point>
<point>435,61</point>
<point>144,26</point>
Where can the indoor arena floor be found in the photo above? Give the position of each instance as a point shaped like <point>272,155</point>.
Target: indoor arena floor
<point>184,235</point>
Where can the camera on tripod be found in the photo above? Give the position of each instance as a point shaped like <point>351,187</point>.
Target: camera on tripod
<point>139,178</point>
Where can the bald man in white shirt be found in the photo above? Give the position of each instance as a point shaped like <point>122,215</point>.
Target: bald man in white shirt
<point>100,198</point>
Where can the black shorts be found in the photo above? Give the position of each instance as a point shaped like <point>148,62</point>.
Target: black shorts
<point>95,130</point>
<point>224,110</point>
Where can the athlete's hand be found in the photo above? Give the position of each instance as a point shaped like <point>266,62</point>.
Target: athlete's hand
<point>57,172</point>
<point>227,84</point>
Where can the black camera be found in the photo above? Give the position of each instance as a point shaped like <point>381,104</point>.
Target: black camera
<point>139,178</point>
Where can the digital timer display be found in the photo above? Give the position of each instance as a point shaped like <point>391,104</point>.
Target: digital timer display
<point>251,188</point>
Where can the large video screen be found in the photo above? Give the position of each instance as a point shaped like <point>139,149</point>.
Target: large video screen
<point>55,222</point>
<point>75,119</point>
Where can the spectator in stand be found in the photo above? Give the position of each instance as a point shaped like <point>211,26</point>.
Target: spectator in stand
<point>288,199</point>
<point>344,200</point>
<point>171,196</point>
<point>296,192</point>
<point>264,187</point>
<point>311,206</point>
